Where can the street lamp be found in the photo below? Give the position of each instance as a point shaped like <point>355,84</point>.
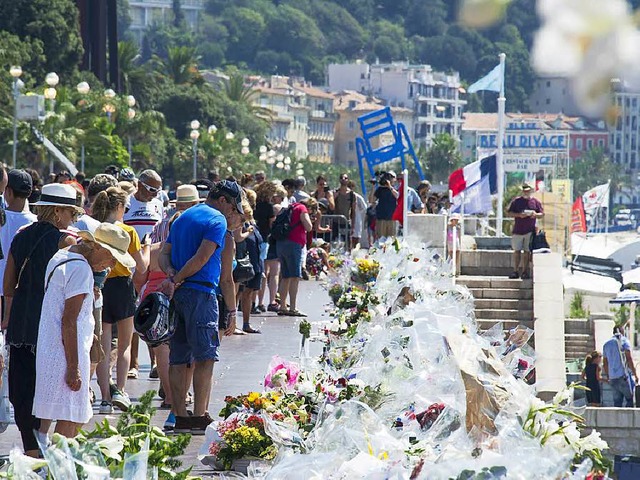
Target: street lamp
<point>109,93</point>
<point>263,149</point>
<point>15,72</point>
<point>245,142</point>
<point>50,94</point>
<point>131,101</point>
<point>82,88</point>
<point>195,134</point>
<point>109,109</point>
<point>212,130</point>
<point>229,136</point>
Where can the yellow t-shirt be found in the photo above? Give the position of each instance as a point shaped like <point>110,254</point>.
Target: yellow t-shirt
<point>120,270</point>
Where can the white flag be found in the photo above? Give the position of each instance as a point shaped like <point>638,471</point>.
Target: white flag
<point>596,198</point>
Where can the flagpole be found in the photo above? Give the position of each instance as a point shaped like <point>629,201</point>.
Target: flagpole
<point>606,225</point>
<point>405,204</point>
<point>500,158</point>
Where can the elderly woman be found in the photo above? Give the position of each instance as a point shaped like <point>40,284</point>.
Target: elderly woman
<point>30,252</point>
<point>66,328</point>
<point>119,300</point>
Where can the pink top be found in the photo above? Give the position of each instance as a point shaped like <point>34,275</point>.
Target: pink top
<point>298,233</point>
<point>154,280</point>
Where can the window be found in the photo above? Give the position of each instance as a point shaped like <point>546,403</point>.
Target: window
<point>590,144</point>
<point>578,144</point>
<point>352,125</point>
<point>548,101</point>
<point>601,143</point>
<point>351,147</point>
<point>548,84</point>
<point>352,104</point>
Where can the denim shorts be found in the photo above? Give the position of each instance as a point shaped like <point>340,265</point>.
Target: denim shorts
<point>196,337</point>
<point>290,256</point>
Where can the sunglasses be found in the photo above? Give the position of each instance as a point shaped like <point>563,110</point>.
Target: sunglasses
<point>149,188</point>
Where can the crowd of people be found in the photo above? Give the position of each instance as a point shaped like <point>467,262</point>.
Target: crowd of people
<point>80,256</point>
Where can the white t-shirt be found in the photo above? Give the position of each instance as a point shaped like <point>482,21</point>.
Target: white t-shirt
<point>143,216</point>
<point>15,221</point>
<point>87,223</point>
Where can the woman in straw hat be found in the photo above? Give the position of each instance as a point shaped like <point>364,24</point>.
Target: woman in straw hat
<point>66,327</point>
<point>30,252</point>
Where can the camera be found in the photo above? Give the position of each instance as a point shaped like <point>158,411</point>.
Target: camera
<point>384,179</point>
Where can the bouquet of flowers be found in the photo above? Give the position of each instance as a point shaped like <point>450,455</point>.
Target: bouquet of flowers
<point>281,374</point>
<point>365,271</point>
<point>241,436</point>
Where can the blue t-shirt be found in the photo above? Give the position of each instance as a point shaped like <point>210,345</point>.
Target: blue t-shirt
<point>198,223</point>
<point>611,350</point>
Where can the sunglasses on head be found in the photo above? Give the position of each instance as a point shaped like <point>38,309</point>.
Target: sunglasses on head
<point>149,187</point>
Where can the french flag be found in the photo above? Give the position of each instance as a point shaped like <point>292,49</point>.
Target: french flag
<point>474,184</point>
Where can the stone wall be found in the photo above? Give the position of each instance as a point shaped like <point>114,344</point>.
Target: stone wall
<point>619,427</point>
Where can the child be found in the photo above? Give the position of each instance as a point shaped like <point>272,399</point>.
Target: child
<point>317,258</point>
<point>591,374</point>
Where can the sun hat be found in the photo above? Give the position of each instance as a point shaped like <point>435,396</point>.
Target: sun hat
<point>58,195</point>
<point>188,194</point>
<point>114,239</point>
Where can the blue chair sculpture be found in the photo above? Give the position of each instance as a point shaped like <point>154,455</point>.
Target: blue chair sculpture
<point>374,125</point>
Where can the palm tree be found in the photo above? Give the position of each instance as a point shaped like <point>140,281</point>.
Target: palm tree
<point>181,65</point>
<point>238,91</point>
<point>130,70</point>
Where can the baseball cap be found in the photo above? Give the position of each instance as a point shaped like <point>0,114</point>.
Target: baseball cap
<point>526,186</point>
<point>20,181</point>
<point>232,189</point>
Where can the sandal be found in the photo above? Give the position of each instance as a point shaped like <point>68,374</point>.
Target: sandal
<point>297,313</point>
<point>284,313</point>
<point>250,330</point>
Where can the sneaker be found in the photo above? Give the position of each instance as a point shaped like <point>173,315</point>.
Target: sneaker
<point>182,425</point>
<point>200,424</point>
<point>514,275</point>
<point>273,307</point>
<point>121,400</point>
<point>255,311</point>
<point>262,308</point>
<point>154,372</point>
<point>133,373</point>
<point>113,388</point>
<point>105,408</point>
<point>170,422</point>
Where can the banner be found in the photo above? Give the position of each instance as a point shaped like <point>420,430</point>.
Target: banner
<point>578,219</point>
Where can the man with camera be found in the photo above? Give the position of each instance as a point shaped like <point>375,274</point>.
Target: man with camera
<point>385,198</point>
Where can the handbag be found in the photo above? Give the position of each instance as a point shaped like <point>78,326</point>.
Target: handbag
<point>244,270</point>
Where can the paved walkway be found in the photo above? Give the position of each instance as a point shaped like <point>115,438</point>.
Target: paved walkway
<point>244,359</point>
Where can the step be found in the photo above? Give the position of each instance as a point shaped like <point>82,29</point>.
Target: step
<point>486,258</point>
<point>578,326</point>
<point>502,293</point>
<point>473,281</point>
<point>503,304</point>
<point>487,323</point>
<point>486,271</point>
<point>489,314</point>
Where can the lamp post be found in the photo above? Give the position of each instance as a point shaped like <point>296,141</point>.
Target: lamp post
<point>50,94</point>
<point>15,72</point>
<point>245,146</point>
<point>109,94</point>
<point>82,88</point>
<point>131,114</point>
<point>271,159</point>
<point>195,134</point>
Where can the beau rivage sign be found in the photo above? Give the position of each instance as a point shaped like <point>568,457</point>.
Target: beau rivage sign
<point>527,145</point>
<point>526,136</point>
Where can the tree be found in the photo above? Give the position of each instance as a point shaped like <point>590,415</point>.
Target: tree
<point>178,15</point>
<point>427,18</point>
<point>130,69</point>
<point>54,23</point>
<point>345,36</point>
<point>181,65</point>
<point>443,157</point>
<point>595,168</point>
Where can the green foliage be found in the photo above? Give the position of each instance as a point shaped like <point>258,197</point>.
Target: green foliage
<point>595,168</point>
<point>576,307</point>
<point>443,157</point>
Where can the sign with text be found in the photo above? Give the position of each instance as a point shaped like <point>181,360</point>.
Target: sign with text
<point>527,163</point>
<point>525,140</point>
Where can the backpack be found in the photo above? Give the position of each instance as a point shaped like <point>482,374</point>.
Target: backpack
<point>281,227</point>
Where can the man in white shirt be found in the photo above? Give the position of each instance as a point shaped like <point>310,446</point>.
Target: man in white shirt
<point>19,185</point>
<point>145,209</point>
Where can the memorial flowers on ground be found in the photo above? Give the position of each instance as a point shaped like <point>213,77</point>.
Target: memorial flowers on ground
<point>407,387</point>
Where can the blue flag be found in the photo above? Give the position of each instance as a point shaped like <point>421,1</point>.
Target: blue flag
<point>492,81</point>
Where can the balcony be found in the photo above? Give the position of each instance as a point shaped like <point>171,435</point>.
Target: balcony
<point>322,115</point>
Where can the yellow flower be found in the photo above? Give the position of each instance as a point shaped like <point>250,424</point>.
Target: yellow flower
<point>253,396</point>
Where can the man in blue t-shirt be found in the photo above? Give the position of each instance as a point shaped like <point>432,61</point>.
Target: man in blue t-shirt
<point>617,365</point>
<point>191,257</point>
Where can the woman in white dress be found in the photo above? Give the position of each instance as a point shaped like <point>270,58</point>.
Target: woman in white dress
<point>66,326</point>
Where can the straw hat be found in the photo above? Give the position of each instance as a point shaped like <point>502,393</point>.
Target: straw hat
<point>114,239</point>
<point>187,194</point>
<point>58,195</point>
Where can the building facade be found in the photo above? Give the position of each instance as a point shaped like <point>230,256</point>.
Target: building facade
<point>436,99</point>
<point>552,94</point>
<point>533,143</point>
<point>303,117</point>
<point>145,13</point>
<point>624,131</point>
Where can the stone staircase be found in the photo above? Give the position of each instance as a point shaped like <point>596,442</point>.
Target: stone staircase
<point>500,299</point>
<point>579,338</point>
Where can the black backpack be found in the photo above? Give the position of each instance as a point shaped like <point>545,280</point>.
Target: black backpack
<point>281,227</point>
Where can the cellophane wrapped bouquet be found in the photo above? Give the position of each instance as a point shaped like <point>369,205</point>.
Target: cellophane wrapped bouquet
<point>407,387</point>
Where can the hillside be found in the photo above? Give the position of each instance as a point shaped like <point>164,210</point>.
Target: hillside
<point>299,37</point>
